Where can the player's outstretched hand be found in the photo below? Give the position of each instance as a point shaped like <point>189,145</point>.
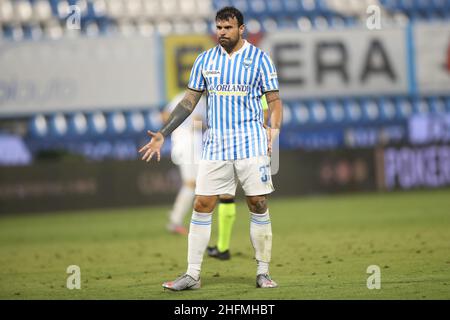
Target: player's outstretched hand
<point>154,146</point>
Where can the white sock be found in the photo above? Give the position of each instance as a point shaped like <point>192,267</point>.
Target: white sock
<point>199,234</point>
<point>183,204</point>
<point>261,237</point>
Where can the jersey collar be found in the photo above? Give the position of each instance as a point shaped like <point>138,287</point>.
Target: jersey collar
<point>245,46</point>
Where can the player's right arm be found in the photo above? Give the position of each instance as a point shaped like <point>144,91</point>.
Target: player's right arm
<point>183,109</point>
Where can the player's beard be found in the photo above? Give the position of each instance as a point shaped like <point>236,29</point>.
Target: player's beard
<point>229,43</point>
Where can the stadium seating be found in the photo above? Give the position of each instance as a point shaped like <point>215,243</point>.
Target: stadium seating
<point>300,112</point>
<point>34,18</point>
<point>364,110</point>
<point>336,111</point>
<point>318,114</point>
<point>135,122</point>
<point>18,17</point>
<point>94,124</point>
<point>310,113</point>
<point>77,124</point>
<point>388,110</point>
<point>58,125</point>
<point>38,126</point>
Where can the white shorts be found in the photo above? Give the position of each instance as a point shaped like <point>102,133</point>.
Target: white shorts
<point>221,177</point>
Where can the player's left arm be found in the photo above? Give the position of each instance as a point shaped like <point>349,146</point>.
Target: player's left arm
<point>269,87</point>
<point>276,115</point>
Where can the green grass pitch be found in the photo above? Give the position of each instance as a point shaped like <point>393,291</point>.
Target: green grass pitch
<point>322,247</point>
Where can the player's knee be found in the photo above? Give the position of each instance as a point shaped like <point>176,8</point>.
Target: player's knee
<point>257,204</point>
<point>204,204</point>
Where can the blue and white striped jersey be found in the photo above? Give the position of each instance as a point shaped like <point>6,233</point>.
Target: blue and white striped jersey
<point>234,112</point>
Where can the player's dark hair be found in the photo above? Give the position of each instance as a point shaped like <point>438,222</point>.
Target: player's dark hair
<point>230,13</point>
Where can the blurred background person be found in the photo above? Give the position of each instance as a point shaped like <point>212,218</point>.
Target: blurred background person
<point>185,142</point>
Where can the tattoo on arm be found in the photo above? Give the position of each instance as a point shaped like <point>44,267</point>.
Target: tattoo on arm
<point>183,109</point>
<point>193,97</point>
<point>272,96</point>
<point>275,108</point>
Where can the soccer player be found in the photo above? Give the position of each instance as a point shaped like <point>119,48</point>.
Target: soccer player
<point>237,146</point>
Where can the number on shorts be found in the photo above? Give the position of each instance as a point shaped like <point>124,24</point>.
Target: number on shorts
<point>264,173</point>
